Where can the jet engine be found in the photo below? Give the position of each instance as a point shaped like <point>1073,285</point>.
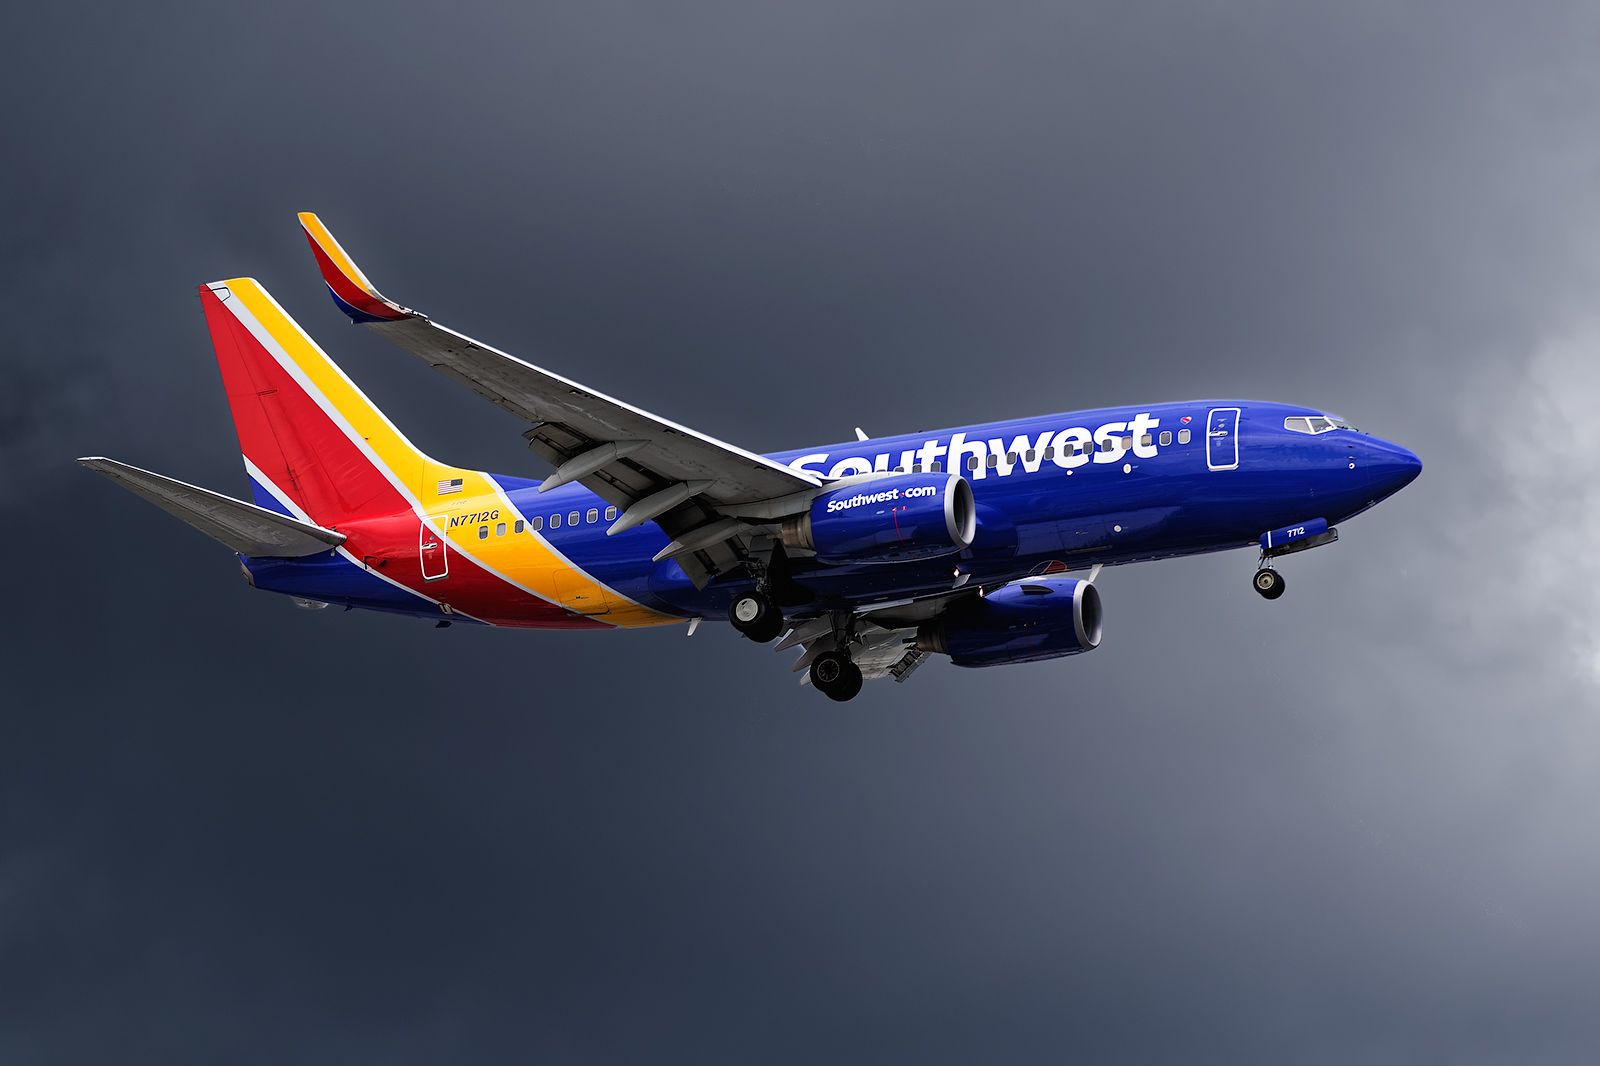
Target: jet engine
<point>890,519</point>
<point>1022,622</point>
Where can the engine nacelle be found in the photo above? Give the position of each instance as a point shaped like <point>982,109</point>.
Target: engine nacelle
<point>890,519</point>
<point>1022,622</point>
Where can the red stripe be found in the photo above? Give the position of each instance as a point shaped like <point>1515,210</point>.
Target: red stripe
<point>290,439</point>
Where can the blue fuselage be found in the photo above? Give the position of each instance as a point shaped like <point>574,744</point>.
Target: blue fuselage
<point>1108,486</point>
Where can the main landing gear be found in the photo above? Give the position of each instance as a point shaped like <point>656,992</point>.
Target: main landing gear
<point>1268,582</point>
<point>835,676</point>
<point>756,616</point>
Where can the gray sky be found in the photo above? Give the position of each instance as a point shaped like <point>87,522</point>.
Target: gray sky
<point>1357,825</point>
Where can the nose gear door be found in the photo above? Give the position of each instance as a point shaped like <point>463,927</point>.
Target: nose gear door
<point>1222,439</point>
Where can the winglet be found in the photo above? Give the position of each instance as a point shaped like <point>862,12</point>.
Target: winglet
<point>349,287</point>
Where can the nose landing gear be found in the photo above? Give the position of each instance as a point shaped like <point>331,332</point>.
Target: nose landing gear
<point>1268,582</point>
<point>1312,533</point>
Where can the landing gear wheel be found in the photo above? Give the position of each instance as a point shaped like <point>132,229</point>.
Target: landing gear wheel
<point>1269,583</point>
<point>756,616</point>
<point>835,676</point>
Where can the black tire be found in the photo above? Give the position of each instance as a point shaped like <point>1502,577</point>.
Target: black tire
<point>835,676</point>
<point>766,630</point>
<point>1269,583</point>
<point>756,617</point>
<point>849,686</point>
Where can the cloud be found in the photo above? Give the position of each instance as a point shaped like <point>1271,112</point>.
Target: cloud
<point>1531,437</point>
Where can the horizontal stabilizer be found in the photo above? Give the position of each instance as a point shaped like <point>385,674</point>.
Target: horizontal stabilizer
<point>244,527</point>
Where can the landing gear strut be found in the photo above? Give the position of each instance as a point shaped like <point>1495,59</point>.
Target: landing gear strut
<point>755,615</point>
<point>1268,582</point>
<point>835,676</point>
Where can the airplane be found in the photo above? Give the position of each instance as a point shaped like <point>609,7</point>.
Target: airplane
<point>871,556</point>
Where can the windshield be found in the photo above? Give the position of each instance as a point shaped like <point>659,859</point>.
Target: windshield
<point>1314,424</point>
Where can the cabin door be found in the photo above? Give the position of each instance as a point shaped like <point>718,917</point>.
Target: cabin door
<point>1222,439</point>
<point>431,548</point>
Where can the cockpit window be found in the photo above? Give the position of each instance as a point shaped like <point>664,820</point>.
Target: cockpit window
<point>1314,424</point>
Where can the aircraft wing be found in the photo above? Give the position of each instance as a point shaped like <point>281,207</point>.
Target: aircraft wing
<point>652,469</point>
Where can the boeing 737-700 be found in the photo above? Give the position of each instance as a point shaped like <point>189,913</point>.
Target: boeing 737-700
<point>980,544</point>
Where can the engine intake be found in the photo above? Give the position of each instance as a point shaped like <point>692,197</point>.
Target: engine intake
<point>1022,622</point>
<point>890,519</point>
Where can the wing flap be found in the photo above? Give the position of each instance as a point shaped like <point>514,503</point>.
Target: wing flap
<point>244,527</point>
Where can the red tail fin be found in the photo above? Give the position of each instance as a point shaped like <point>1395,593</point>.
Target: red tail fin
<point>311,440</point>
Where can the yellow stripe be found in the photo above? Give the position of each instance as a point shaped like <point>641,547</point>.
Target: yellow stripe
<point>527,560</point>
<point>526,557</point>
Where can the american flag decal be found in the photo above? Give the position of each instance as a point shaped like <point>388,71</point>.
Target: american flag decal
<point>447,487</point>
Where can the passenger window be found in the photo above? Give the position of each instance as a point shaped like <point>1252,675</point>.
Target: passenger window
<point>483,532</point>
<point>555,521</point>
<point>611,514</point>
<point>1144,441</point>
<point>1166,437</point>
<point>972,462</point>
<point>937,467</point>
<point>994,461</point>
<point>500,529</point>
<point>518,527</point>
<point>1127,443</point>
<point>1011,458</point>
<point>572,518</point>
<point>593,516</point>
<point>1183,436</point>
<point>537,522</point>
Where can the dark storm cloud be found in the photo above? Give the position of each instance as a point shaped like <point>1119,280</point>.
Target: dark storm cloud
<point>1353,826</point>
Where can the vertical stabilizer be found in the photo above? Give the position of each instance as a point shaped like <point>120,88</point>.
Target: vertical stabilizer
<point>314,445</point>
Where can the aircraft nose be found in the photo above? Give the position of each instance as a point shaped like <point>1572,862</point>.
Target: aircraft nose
<point>1390,467</point>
